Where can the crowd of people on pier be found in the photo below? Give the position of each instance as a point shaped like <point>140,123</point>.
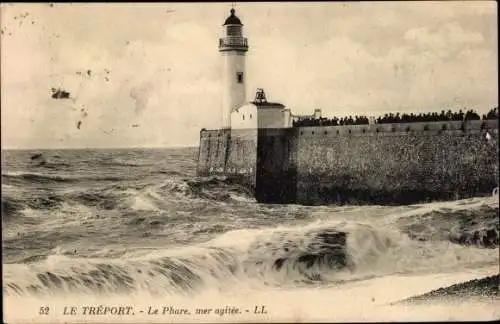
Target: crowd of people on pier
<point>492,114</point>
<point>357,120</point>
<point>398,118</point>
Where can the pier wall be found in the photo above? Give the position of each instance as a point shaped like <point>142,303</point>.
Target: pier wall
<point>229,153</point>
<point>396,163</point>
<point>381,163</point>
<point>276,177</point>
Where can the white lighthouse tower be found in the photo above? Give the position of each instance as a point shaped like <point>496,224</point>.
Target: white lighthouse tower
<point>233,47</point>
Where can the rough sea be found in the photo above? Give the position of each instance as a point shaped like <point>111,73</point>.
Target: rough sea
<point>136,228</point>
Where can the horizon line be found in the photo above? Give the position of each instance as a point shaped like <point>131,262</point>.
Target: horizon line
<point>98,148</point>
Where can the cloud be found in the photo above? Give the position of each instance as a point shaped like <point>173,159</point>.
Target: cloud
<point>165,72</point>
<point>444,41</point>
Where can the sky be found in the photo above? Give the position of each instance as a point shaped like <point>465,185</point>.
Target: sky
<point>150,75</point>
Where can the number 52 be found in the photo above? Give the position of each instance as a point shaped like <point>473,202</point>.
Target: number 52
<point>44,310</point>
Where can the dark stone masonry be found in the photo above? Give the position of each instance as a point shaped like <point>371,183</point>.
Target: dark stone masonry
<point>397,163</point>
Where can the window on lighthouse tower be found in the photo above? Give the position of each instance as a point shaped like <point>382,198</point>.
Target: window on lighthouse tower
<point>239,77</point>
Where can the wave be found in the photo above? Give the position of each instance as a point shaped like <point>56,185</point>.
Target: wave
<point>101,199</point>
<point>50,165</point>
<point>211,188</point>
<point>36,177</point>
<point>44,178</point>
<point>120,164</point>
<point>14,203</point>
<point>318,253</point>
<point>170,173</point>
<point>218,188</point>
<point>118,196</point>
<point>471,225</point>
<point>174,273</point>
<point>10,207</point>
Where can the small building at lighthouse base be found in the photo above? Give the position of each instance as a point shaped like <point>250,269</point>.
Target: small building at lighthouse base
<point>261,115</point>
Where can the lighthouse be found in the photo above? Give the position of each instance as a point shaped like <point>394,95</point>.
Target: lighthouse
<point>233,47</point>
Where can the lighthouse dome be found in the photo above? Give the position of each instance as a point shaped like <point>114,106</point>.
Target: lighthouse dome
<point>232,19</point>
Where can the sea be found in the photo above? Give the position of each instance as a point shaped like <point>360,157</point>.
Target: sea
<point>134,236</point>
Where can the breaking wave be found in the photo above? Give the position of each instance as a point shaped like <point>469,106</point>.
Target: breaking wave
<point>119,195</point>
<point>321,252</point>
<point>477,226</point>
